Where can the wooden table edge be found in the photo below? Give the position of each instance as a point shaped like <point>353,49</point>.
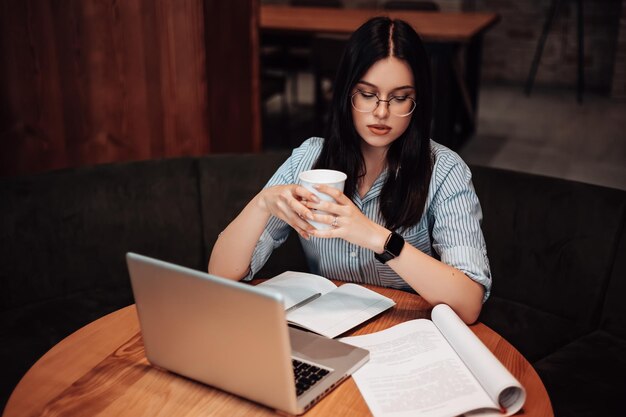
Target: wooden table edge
<point>490,19</point>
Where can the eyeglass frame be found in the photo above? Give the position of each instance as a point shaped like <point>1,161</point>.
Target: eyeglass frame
<point>378,100</point>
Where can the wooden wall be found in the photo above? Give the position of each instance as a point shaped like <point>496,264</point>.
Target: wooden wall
<point>87,82</point>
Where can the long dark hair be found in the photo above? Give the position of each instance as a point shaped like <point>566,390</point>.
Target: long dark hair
<point>409,159</point>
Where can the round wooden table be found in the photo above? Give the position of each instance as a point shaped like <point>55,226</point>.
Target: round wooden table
<point>101,370</point>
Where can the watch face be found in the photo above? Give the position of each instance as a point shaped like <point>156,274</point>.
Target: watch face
<point>395,244</point>
<point>393,247</point>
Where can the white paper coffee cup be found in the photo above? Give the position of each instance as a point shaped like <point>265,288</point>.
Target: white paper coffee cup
<point>332,178</point>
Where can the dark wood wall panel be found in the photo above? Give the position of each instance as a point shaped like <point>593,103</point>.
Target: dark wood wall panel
<point>232,38</point>
<point>32,130</point>
<point>87,82</point>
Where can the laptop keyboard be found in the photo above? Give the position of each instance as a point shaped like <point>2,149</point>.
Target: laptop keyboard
<point>306,375</point>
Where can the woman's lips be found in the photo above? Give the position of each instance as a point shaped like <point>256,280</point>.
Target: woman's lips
<point>379,129</point>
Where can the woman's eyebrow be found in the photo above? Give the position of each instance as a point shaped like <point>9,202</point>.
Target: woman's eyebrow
<point>404,87</point>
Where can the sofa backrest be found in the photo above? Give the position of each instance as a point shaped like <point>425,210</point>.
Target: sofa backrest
<point>551,242</point>
<point>68,231</point>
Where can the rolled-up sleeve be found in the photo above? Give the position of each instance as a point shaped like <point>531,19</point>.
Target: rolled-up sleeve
<point>456,213</point>
<point>275,234</point>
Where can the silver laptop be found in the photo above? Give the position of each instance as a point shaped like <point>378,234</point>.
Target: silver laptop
<point>234,336</point>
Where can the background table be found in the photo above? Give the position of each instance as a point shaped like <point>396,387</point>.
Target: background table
<point>101,370</point>
<point>453,40</point>
<point>432,26</point>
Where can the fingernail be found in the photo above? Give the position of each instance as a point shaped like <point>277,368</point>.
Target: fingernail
<point>315,199</point>
<point>309,215</point>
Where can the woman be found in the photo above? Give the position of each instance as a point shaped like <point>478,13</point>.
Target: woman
<point>408,217</point>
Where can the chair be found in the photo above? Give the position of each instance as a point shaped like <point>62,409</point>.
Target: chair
<point>291,53</point>
<point>326,51</point>
<point>273,84</point>
<point>552,12</point>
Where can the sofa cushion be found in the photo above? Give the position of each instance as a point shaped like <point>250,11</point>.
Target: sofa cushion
<point>614,312</point>
<point>227,184</point>
<point>586,378</point>
<point>535,333</point>
<point>551,244</point>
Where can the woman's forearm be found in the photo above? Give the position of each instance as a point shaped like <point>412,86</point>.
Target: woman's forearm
<point>233,249</point>
<point>439,283</point>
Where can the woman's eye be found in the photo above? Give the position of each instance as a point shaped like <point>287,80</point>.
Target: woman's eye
<point>399,99</point>
<point>366,94</point>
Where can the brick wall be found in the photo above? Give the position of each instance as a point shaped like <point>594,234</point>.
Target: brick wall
<point>618,88</point>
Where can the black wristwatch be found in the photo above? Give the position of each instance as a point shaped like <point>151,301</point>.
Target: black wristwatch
<point>393,247</point>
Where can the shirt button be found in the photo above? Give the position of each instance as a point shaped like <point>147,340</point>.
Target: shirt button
<point>353,254</point>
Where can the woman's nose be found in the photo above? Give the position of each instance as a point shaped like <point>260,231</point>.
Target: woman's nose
<point>382,110</point>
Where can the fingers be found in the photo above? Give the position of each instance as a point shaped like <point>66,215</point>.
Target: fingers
<point>302,227</point>
<point>328,207</point>
<point>287,202</point>
<point>306,232</point>
<point>296,204</point>
<point>338,195</point>
<point>305,194</point>
<point>335,223</point>
<point>335,231</point>
<point>299,208</point>
<point>294,213</point>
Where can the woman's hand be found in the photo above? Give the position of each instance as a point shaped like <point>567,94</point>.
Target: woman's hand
<point>347,221</point>
<point>287,202</point>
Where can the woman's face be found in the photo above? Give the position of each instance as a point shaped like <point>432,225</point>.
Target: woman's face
<point>387,78</point>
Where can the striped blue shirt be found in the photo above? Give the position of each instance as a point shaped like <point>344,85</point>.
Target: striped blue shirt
<point>449,228</point>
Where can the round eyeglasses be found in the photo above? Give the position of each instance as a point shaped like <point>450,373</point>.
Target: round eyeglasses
<point>365,102</point>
